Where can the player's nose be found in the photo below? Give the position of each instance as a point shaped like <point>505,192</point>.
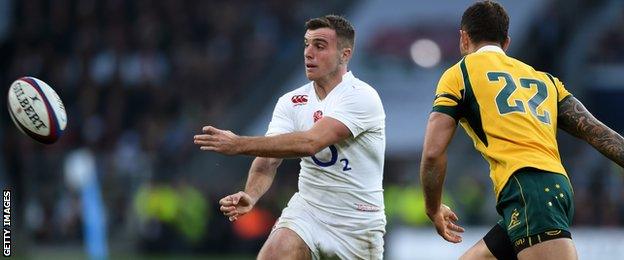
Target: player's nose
<point>308,53</point>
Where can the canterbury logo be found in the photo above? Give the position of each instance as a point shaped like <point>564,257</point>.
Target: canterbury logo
<point>299,99</point>
<point>514,219</point>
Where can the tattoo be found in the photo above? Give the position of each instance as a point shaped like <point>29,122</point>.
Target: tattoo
<point>574,118</point>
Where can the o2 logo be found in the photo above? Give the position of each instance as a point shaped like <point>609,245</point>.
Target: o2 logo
<point>333,159</point>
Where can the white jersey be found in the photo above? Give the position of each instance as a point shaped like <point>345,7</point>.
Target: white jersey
<point>344,179</point>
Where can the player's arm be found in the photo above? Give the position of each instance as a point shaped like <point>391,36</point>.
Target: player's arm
<point>261,175</point>
<point>575,119</point>
<point>325,132</point>
<point>440,130</point>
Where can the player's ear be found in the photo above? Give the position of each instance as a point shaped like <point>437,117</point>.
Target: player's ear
<point>464,42</point>
<point>346,54</point>
<point>506,43</point>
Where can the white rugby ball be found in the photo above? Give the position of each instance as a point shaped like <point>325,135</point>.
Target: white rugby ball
<point>37,110</point>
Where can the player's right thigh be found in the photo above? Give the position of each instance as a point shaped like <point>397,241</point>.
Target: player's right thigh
<point>284,243</point>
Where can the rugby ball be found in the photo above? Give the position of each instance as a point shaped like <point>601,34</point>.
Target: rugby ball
<point>37,110</point>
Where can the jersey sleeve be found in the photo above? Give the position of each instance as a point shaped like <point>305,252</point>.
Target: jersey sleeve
<point>281,121</point>
<point>359,110</point>
<point>562,92</point>
<point>449,93</point>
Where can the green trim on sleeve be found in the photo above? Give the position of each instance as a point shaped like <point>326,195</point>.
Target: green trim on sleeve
<point>564,99</point>
<point>452,111</point>
<point>449,96</point>
<point>554,84</point>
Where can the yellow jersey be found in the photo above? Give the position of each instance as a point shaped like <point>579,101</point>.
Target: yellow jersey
<point>508,109</point>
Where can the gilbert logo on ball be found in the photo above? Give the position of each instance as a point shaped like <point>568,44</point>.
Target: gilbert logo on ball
<point>37,110</point>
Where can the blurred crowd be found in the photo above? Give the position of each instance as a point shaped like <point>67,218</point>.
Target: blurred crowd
<point>610,46</point>
<point>139,78</point>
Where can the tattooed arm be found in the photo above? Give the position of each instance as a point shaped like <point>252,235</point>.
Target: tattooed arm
<point>574,118</point>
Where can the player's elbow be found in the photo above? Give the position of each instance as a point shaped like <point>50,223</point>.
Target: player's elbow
<point>433,154</point>
<point>274,162</point>
<point>312,144</point>
<point>312,147</point>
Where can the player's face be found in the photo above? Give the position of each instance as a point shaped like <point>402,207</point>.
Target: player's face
<point>321,54</point>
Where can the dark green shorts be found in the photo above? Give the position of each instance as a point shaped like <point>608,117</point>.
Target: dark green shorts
<point>535,204</point>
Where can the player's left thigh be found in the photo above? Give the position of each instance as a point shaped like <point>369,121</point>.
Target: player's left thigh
<point>556,249</point>
<point>284,243</point>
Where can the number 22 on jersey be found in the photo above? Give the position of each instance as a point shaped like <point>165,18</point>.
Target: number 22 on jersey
<point>502,99</point>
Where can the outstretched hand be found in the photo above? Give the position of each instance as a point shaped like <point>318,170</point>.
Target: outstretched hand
<point>217,140</point>
<point>444,221</point>
<point>236,205</point>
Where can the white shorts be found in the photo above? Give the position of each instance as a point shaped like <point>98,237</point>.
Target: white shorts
<point>327,236</point>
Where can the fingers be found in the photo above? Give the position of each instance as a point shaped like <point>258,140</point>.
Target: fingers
<point>447,228</point>
<point>452,237</point>
<point>448,213</point>
<point>204,139</point>
<point>449,235</point>
<point>210,130</point>
<point>235,205</point>
<point>209,142</point>
<point>236,198</point>
<point>452,215</point>
<point>225,209</point>
<point>225,201</point>
<point>206,142</point>
<point>229,200</point>
<point>228,210</point>
<point>454,227</point>
<point>208,148</point>
<point>208,138</point>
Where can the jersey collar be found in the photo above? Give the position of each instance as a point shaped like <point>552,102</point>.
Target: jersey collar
<point>493,48</point>
<point>346,78</point>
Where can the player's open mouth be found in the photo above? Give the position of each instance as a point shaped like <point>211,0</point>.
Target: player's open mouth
<point>310,66</point>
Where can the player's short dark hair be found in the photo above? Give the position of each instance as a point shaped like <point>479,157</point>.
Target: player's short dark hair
<point>486,21</point>
<point>344,29</point>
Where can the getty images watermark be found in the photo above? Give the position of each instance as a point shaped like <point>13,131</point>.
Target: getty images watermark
<point>6,222</point>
